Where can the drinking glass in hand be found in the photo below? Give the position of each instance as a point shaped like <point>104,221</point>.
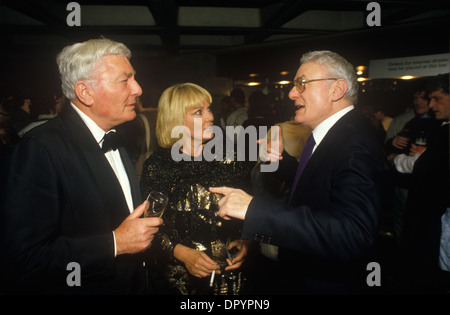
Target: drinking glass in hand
<point>158,202</point>
<point>421,141</point>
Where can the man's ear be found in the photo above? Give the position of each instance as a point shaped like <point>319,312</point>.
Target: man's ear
<point>84,93</point>
<point>339,89</point>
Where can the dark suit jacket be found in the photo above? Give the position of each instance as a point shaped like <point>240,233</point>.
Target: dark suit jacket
<point>332,221</point>
<point>428,199</point>
<point>59,204</point>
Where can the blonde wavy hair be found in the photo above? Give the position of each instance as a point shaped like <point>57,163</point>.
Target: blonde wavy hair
<point>173,106</point>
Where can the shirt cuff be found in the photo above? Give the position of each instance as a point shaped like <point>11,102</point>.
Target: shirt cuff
<point>405,163</point>
<point>115,247</point>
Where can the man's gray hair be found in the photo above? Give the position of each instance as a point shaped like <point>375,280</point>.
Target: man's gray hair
<point>78,61</point>
<point>338,67</point>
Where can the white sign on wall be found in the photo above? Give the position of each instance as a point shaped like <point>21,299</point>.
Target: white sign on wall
<point>421,66</point>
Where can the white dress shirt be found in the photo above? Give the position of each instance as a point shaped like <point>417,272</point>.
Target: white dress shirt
<point>321,129</point>
<point>113,157</point>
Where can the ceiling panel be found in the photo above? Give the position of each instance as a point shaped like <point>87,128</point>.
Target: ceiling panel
<point>219,17</point>
<point>117,15</point>
<point>328,20</point>
<point>208,26</point>
<point>235,37</point>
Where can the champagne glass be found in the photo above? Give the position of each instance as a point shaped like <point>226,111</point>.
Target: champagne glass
<point>219,255</point>
<point>233,252</point>
<point>158,202</point>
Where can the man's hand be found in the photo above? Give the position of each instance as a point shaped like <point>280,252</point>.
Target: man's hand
<point>415,149</point>
<point>136,234</point>
<point>400,142</point>
<point>242,246</point>
<point>234,204</point>
<point>271,149</point>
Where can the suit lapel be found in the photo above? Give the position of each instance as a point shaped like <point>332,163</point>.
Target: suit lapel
<point>107,182</point>
<point>323,149</point>
<point>134,184</point>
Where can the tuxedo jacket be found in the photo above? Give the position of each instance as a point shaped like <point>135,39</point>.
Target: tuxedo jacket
<point>332,221</point>
<point>60,202</point>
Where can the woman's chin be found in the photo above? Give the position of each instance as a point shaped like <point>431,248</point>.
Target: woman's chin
<point>208,135</point>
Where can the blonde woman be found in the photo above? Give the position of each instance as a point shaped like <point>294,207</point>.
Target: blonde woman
<point>183,250</point>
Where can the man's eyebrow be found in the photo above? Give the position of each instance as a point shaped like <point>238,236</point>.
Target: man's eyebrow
<point>130,74</point>
<point>126,74</point>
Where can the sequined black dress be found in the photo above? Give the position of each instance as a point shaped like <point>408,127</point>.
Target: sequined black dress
<point>190,217</point>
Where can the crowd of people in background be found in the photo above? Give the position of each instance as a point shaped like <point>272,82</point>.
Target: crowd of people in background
<point>415,195</point>
<point>19,113</point>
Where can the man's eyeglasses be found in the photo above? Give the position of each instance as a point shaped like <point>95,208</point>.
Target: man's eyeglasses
<point>300,83</point>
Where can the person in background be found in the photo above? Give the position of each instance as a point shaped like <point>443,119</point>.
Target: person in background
<point>260,111</point>
<point>20,112</point>
<point>240,112</point>
<point>419,100</point>
<point>380,115</point>
<point>68,201</point>
<point>139,136</point>
<point>428,200</point>
<point>226,108</point>
<point>48,108</point>
<point>7,136</point>
<point>419,126</point>
<point>417,130</point>
<point>329,223</point>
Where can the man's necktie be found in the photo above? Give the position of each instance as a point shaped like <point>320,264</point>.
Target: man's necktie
<point>110,141</point>
<point>306,154</point>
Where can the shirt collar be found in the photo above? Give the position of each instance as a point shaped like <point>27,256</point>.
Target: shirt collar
<point>96,131</point>
<point>321,129</point>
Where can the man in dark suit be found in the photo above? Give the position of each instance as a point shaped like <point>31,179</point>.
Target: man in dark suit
<point>70,217</point>
<point>426,244</point>
<point>329,222</point>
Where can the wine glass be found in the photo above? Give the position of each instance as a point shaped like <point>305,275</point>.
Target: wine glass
<point>219,253</point>
<point>233,252</point>
<point>158,202</point>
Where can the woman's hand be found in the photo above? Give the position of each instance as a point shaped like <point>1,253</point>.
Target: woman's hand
<point>242,246</point>
<point>197,263</point>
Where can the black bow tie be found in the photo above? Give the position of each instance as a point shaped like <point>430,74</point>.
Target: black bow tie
<point>110,141</point>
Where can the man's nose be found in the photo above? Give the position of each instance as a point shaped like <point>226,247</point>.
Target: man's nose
<point>136,88</point>
<point>293,93</point>
<point>431,104</point>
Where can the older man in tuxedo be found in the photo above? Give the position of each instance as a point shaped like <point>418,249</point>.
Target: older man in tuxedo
<point>70,201</point>
<point>328,224</point>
